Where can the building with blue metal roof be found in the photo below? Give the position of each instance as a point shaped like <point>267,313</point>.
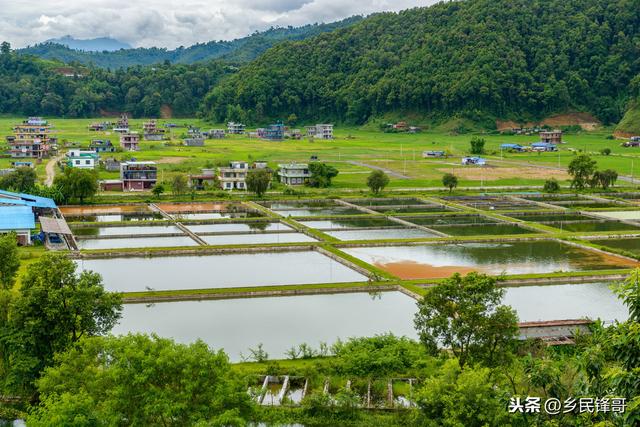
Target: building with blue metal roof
<point>19,219</point>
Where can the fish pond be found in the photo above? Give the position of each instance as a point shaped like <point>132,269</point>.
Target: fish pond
<point>219,271</point>
<point>518,257</point>
<point>277,322</point>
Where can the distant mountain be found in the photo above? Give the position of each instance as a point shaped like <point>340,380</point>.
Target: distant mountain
<point>90,45</point>
<point>240,50</point>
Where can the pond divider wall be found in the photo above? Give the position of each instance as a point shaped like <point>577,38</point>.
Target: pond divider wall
<point>256,293</point>
<point>209,250</point>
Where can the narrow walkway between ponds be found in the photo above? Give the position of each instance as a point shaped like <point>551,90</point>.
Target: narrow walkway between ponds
<point>379,168</point>
<point>181,226</point>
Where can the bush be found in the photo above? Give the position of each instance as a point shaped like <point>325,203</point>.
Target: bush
<point>551,186</point>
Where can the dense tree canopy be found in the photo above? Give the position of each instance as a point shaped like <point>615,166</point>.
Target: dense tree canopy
<point>477,57</point>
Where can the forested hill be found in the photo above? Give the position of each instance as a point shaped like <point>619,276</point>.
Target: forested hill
<point>239,50</point>
<point>479,58</point>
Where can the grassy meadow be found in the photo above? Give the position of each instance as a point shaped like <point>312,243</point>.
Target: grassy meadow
<point>355,148</point>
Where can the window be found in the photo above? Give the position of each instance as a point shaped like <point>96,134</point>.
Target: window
<point>87,162</point>
<point>77,162</point>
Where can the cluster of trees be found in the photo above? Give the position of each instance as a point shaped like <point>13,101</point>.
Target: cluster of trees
<point>321,175</point>
<point>478,58</point>
<point>32,86</point>
<point>584,171</point>
<point>73,185</point>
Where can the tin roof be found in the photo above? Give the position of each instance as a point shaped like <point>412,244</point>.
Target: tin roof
<point>16,218</point>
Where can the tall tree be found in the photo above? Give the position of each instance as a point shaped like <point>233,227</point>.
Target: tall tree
<point>9,260</point>
<point>77,184</point>
<point>450,181</point>
<point>21,180</point>
<point>581,169</point>
<point>377,181</point>
<point>54,309</point>
<point>179,184</point>
<point>258,181</point>
<point>321,174</point>
<point>464,314</point>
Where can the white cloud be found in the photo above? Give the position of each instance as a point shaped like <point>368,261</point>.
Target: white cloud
<point>171,23</point>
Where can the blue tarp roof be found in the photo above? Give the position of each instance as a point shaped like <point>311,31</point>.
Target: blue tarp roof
<point>9,197</point>
<point>16,218</point>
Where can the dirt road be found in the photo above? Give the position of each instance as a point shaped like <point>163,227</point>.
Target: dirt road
<point>51,170</point>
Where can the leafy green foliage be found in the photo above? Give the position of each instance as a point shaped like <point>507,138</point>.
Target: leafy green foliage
<point>20,180</point>
<point>53,310</point>
<point>477,145</point>
<point>471,58</point>
<point>9,260</point>
<point>157,190</point>
<point>450,181</point>
<point>321,174</point>
<point>179,184</point>
<point>376,356</point>
<point>581,169</point>
<point>377,181</point>
<point>465,315</point>
<point>551,186</point>
<point>604,179</point>
<point>141,380</point>
<point>462,397</point>
<point>77,184</point>
<point>258,181</point>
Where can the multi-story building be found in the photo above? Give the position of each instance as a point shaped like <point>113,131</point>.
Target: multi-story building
<point>294,173</point>
<point>194,138</point>
<point>274,132</point>
<point>137,176</point>
<point>102,146</point>
<point>206,179</point>
<point>551,137</point>
<point>83,159</point>
<point>151,132</point>
<point>130,141</point>
<point>320,131</point>
<point>234,177</point>
<point>32,139</point>
<point>122,125</point>
<point>235,128</point>
<point>216,133</point>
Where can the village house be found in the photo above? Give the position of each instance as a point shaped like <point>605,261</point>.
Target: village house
<point>151,132</point>
<point>274,132</point>
<point>99,127</point>
<point>22,164</point>
<point>82,159</point>
<point>32,139</point>
<point>235,128</point>
<point>216,134</point>
<point>206,179</point>
<point>294,173</point>
<point>138,176</point>
<point>111,165</point>
<point>122,125</point>
<point>19,213</point>
<point>551,137</point>
<point>102,146</point>
<point>194,138</point>
<point>130,141</point>
<point>544,146</point>
<point>320,131</point>
<point>234,176</point>
<point>111,185</point>
<point>293,134</point>
<point>476,161</point>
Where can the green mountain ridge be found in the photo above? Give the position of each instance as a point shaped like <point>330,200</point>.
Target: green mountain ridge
<point>516,59</point>
<point>239,50</point>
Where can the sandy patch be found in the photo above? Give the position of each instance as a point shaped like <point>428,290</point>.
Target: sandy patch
<point>585,120</point>
<point>171,160</point>
<point>408,270</point>
<point>494,173</point>
<point>194,207</point>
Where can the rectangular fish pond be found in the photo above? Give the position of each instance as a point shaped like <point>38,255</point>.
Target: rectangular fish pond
<point>310,208</point>
<point>630,245</point>
<point>381,234</point>
<point>219,271</point>
<point>565,301</point>
<point>126,230</point>
<point>136,242</point>
<point>349,223</point>
<point>277,322</point>
<point>118,213</point>
<point>523,257</point>
<point>633,215</point>
<point>258,226</point>
<point>256,238</point>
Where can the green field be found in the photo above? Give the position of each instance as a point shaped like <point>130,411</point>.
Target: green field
<point>354,149</point>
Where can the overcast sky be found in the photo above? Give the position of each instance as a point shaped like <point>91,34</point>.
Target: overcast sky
<point>171,23</point>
